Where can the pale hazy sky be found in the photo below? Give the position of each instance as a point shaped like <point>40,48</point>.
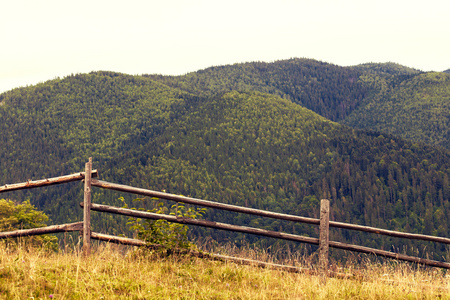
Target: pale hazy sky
<point>44,39</point>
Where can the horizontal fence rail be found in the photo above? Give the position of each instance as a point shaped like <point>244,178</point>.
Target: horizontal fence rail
<point>206,203</point>
<point>389,254</point>
<point>262,213</point>
<point>42,230</point>
<point>118,239</point>
<point>392,233</point>
<point>44,182</point>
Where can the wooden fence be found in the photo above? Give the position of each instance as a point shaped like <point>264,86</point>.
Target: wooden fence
<point>324,223</point>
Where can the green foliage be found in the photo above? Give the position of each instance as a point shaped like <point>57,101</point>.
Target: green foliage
<point>20,216</point>
<point>15,216</point>
<point>167,234</point>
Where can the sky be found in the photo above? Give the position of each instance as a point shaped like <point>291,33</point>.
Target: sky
<point>47,39</point>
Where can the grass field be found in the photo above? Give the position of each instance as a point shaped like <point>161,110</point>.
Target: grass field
<point>113,273</point>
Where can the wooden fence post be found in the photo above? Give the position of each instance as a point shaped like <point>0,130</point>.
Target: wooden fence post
<point>324,236</point>
<point>87,209</point>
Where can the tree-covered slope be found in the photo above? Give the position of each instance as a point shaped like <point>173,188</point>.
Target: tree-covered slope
<point>329,90</point>
<point>98,114</point>
<point>248,148</point>
<point>261,151</point>
<point>415,107</point>
<point>386,97</point>
<point>52,128</point>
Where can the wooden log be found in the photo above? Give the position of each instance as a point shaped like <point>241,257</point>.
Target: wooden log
<point>244,261</point>
<point>390,232</point>
<point>324,236</point>
<point>44,182</point>
<point>252,262</point>
<point>42,230</point>
<point>117,239</point>
<point>206,203</point>
<point>204,223</point>
<point>389,254</point>
<point>87,209</point>
<point>140,243</point>
<point>262,264</point>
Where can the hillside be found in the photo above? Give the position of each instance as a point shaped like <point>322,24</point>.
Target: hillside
<point>50,130</point>
<point>416,108</point>
<point>385,97</point>
<point>329,90</point>
<point>248,148</point>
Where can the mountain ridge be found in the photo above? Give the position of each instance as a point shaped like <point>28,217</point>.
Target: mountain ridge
<point>343,94</point>
<point>388,68</point>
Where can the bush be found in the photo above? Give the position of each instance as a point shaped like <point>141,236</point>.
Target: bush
<point>167,234</point>
<point>15,216</point>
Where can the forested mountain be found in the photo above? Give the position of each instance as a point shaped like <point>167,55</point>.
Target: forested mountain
<point>245,145</point>
<point>327,89</point>
<point>386,97</point>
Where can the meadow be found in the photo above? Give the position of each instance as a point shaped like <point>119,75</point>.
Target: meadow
<point>113,272</point>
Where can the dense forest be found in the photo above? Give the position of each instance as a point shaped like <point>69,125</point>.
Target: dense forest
<point>329,90</point>
<point>385,97</point>
<point>263,135</point>
<point>414,107</point>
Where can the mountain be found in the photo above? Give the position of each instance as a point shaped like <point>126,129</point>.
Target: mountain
<point>246,147</point>
<point>326,89</point>
<point>447,71</point>
<point>385,97</point>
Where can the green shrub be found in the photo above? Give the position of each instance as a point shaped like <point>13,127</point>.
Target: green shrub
<point>15,216</point>
<point>167,234</point>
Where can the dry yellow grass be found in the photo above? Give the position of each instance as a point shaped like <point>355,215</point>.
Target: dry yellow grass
<point>110,274</point>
